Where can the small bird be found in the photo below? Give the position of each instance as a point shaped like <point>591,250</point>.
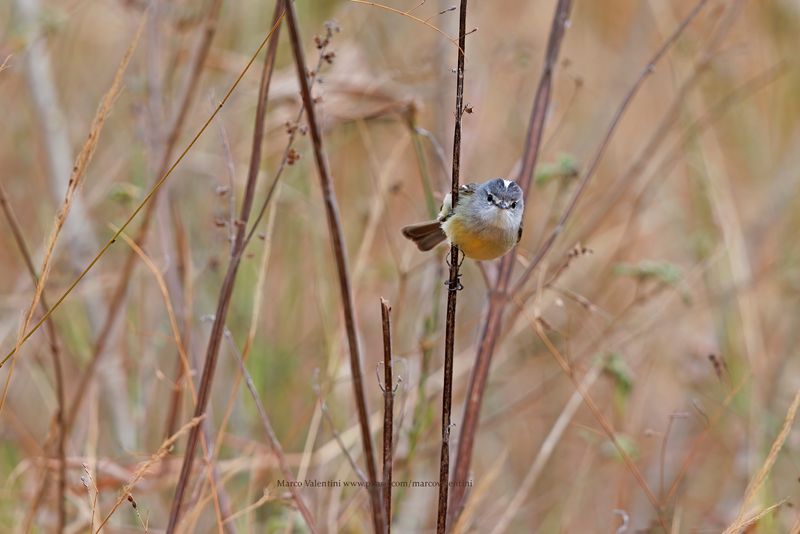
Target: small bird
<point>486,222</point>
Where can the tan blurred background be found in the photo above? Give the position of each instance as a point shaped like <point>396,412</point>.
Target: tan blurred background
<point>687,304</point>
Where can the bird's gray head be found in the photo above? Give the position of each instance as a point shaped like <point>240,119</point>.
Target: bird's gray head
<point>503,194</point>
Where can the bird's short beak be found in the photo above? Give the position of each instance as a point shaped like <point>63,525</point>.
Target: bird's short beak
<point>503,205</point>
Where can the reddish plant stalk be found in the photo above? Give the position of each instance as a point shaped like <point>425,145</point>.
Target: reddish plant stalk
<point>121,289</point>
<point>226,291</point>
<point>499,294</point>
<point>340,255</point>
<point>497,297</point>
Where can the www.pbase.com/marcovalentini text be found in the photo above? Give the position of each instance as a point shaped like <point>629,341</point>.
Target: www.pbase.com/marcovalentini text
<point>364,484</point>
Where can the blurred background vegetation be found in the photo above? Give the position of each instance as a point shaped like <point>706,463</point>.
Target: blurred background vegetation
<point>686,299</point>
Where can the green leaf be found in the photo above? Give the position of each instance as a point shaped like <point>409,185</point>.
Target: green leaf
<point>616,367</point>
<point>124,193</point>
<point>564,167</point>
<point>661,272</point>
<point>626,443</point>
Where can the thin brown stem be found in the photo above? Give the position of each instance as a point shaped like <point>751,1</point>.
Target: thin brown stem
<point>497,302</point>
<point>598,156</point>
<point>340,254</point>
<point>118,297</point>
<point>388,409</point>
<point>226,291</point>
<point>601,419</point>
<point>55,352</point>
<point>326,415</point>
<point>453,285</point>
<point>272,190</point>
<point>274,444</point>
<point>499,296</point>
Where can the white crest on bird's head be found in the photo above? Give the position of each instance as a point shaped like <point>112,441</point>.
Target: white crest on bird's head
<point>504,194</point>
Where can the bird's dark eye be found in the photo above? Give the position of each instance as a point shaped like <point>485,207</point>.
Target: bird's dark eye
<point>489,197</point>
<point>514,205</point>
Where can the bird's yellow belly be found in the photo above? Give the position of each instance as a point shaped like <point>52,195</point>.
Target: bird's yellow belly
<point>485,245</point>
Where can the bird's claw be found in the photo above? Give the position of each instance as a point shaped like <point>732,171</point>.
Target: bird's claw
<point>454,285</point>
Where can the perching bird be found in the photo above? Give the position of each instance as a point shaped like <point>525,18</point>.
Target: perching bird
<point>486,223</point>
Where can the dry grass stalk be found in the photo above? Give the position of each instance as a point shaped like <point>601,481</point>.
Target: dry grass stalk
<point>265,498</point>
<point>226,291</point>
<point>497,302</point>
<point>475,497</point>
<point>339,249</point>
<point>761,476</point>
<point>274,444</point>
<point>173,321</point>
<point>795,527</point>
<point>699,442</point>
<point>183,360</point>
<point>118,297</point>
<point>601,149</point>
<point>141,471</point>
<point>742,525</point>
<point>408,14</point>
<point>547,448</point>
<point>254,321</point>
<point>75,406</point>
<point>601,419</point>
<point>499,296</point>
<point>75,181</point>
<point>58,374</point>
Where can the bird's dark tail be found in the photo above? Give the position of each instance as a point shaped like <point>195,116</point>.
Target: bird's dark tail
<point>426,234</point>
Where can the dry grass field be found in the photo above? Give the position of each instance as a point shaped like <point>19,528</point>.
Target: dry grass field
<point>643,373</point>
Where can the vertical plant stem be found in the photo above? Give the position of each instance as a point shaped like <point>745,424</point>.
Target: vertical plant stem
<point>497,297</point>
<point>500,293</point>
<point>115,305</point>
<point>274,444</point>
<point>388,408</point>
<point>643,75</point>
<point>453,285</point>
<point>497,302</point>
<point>226,292</point>
<point>58,373</point>
<point>340,254</point>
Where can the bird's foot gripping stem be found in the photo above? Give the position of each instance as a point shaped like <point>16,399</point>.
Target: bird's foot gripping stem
<point>455,285</point>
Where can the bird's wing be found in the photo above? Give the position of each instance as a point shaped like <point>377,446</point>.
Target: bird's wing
<point>447,204</point>
<point>519,233</point>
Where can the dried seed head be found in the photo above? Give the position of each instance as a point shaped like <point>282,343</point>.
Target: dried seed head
<point>331,27</point>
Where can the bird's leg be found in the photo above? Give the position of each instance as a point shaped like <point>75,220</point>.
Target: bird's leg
<point>455,285</point>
